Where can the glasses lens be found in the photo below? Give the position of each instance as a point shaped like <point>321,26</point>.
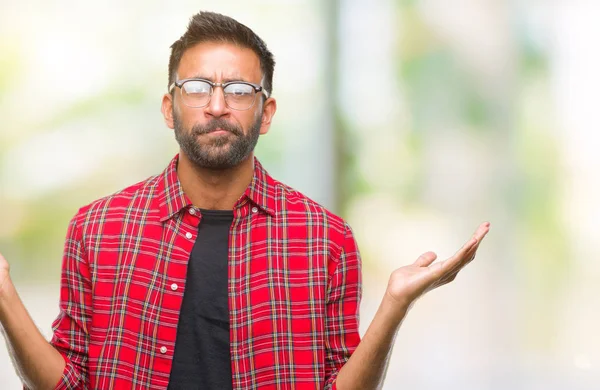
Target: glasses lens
<point>196,93</point>
<point>239,96</point>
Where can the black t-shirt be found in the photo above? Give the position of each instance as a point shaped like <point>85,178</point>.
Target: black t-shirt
<point>201,359</point>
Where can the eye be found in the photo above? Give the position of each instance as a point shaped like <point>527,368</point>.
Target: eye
<point>196,87</point>
<point>239,89</point>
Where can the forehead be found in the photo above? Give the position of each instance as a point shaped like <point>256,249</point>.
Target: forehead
<point>219,61</point>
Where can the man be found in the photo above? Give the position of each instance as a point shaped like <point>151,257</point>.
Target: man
<point>213,275</point>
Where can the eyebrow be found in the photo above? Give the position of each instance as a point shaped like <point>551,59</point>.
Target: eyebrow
<point>225,80</point>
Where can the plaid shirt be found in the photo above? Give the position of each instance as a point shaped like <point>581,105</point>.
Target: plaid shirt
<point>294,288</point>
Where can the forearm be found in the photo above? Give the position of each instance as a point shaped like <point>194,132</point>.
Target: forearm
<point>38,363</point>
<point>365,370</point>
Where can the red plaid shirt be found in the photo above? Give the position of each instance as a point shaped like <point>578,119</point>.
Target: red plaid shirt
<point>294,288</point>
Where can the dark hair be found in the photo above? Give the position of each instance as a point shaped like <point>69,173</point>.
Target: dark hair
<point>213,27</point>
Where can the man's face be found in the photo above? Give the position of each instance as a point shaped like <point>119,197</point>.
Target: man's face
<point>216,136</point>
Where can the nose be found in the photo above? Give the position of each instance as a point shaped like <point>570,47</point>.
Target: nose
<point>217,107</point>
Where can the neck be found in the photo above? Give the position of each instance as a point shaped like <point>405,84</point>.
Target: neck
<point>214,189</point>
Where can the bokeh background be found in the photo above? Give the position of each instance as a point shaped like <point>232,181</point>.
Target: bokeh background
<point>414,120</point>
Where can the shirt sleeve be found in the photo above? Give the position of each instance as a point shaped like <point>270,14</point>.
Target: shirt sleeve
<point>343,302</point>
<point>71,327</point>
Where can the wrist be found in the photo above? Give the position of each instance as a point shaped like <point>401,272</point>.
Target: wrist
<point>392,309</point>
<point>7,291</point>
<point>395,304</point>
<point>9,299</point>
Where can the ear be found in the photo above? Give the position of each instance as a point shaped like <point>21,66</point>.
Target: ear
<point>269,108</point>
<point>167,110</point>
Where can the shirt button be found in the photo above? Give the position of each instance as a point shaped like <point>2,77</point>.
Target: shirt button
<point>188,235</point>
<point>163,350</point>
<point>192,211</point>
<point>174,287</point>
<point>254,209</point>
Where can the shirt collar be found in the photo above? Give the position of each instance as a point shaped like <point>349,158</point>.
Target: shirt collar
<point>172,199</point>
<point>262,189</point>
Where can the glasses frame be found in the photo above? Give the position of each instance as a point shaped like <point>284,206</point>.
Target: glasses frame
<point>257,89</point>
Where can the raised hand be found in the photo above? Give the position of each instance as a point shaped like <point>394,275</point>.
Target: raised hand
<point>408,283</point>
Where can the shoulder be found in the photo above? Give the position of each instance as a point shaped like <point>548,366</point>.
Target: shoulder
<point>294,205</point>
<point>306,219</point>
<point>126,200</point>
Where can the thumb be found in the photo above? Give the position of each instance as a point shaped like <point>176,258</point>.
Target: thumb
<point>425,259</point>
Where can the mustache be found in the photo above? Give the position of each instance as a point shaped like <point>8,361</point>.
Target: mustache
<point>215,124</point>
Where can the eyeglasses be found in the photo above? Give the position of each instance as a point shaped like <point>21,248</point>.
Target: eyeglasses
<point>239,95</point>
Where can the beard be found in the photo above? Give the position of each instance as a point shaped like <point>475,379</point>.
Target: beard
<point>221,152</point>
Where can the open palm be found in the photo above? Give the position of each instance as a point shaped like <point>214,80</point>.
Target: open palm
<point>408,283</point>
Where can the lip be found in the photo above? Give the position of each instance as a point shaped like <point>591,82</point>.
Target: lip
<point>219,131</point>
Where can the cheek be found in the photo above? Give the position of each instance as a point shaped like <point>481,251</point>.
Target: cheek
<point>239,119</point>
<point>257,114</point>
<point>189,116</point>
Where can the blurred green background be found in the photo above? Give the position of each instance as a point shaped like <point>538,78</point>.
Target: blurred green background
<point>414,120</point>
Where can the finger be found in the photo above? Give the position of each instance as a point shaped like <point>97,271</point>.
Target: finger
<point>479,235</point>
<point>470,256</point>
<point>446,279</point>
<point>459,261</point>
<point>443,274</point>
<point>452,266</point>
<point>425,259</point>
<point>481,231</point>
<point>452,262</point>
<point>446,271</point>
<point>467,253</point>
<point>449,275</point>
